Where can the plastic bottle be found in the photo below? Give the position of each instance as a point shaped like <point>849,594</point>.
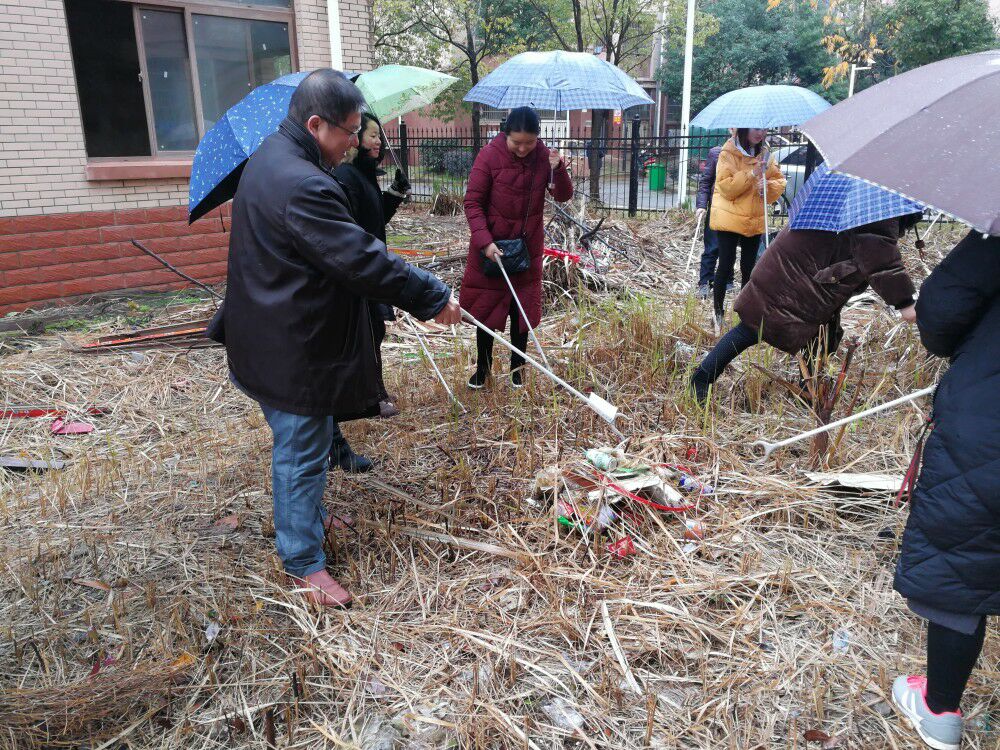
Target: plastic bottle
<point>601,460</point>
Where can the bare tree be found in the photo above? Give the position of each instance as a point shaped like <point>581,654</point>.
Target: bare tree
<point>461,26</point>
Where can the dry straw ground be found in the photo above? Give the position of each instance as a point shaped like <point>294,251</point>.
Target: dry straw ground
<point>141,604</point>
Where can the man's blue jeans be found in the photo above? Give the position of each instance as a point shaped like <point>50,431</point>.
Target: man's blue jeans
<point>709,257</point>
<point>299,462</point>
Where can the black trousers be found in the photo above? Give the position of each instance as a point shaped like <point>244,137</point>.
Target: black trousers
<point>741,337</point>
<point>736,341</point>
<point>484,343</point>
<point>378,336</point>
<point>728,242</point>
<point>950,658</point>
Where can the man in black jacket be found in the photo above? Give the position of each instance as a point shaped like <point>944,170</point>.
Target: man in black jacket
<point>295,320</point>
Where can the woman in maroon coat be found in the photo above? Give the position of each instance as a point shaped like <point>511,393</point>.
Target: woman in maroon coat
<point>505,200</point>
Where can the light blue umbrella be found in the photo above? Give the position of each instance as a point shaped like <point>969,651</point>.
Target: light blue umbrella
<point>833,202</point>
<point>761,107</point>
<point>559,81</point>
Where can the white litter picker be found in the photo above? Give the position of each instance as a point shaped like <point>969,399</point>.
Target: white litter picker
<point>430,358</point>
<point>604,409</point>
<point>768,448</point>
<point>524,315</point>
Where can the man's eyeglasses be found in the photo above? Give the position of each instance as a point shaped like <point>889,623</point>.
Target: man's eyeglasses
<point>354,133</point>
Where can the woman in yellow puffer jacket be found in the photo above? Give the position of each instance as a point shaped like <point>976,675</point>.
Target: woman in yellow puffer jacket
<point>738,206</point>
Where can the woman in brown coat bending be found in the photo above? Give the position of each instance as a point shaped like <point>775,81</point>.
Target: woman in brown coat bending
<point>800,285</point>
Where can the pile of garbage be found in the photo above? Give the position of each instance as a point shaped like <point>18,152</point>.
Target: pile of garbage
<point>607,498</point>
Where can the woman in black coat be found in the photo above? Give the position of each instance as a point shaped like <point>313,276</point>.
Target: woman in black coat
<point>949,568</point>
<point>372,209</point>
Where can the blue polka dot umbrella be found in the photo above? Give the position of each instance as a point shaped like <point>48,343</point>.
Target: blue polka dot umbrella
<point>389,91</point>
<point>222,153</point>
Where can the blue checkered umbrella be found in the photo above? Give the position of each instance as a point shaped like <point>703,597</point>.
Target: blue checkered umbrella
<point>834,202</point>
<point>559,81</point>
<point>761,107</point>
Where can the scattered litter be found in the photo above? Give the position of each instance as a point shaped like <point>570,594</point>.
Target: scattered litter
<point>602,460</point>
<point>433,606</point>
<point>871,482</point>
<point>31,411</point>
<point>100,664</point>
<point>212,631</point>
<point>28,464</point>
<point>187,335</point>
<point>376,687</point>
<point>59,427</point>
<point>379,734</point>
<point>92,584</point>
<point>622,548</point>
<point>841,640</point>
<point>694,530</point>
<point>225,525</point>
<point>875,703</point>
<point>583,516</point>
<point>830,742</point>
<point>546,483</point>
<point>689,482</point>
<point>563,715</point>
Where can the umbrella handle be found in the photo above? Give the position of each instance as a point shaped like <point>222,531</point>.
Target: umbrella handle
<point>389,147</point>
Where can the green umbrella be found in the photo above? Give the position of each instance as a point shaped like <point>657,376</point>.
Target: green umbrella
<point>393,90</point>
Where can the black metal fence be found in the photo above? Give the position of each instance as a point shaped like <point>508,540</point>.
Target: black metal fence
<point>635,175</point>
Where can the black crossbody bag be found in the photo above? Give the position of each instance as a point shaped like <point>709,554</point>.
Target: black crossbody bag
<point>516,258</point>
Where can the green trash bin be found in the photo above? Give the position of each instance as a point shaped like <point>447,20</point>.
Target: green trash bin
<point>657,176</point>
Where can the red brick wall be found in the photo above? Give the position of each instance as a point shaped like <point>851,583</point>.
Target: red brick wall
<point>58,258</point>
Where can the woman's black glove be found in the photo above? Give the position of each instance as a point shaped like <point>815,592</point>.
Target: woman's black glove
<point>400,185</point>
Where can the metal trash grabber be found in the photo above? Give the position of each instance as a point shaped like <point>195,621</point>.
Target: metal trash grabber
<point>694,240</point>
<point>604,409</point>
<point>427,352</point>
<point>770,447</point>
<point>524,315</point>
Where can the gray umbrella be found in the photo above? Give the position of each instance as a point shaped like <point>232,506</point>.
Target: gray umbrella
<point>931,134</point>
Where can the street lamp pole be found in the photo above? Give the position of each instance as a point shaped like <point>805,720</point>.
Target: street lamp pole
<point>685,150</point>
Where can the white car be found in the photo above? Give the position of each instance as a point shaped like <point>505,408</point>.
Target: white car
<point>792,161</point>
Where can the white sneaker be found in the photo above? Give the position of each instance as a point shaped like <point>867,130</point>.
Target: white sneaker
<point>941,731</point>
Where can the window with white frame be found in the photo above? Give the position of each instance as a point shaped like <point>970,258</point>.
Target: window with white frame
<point>153,77</point>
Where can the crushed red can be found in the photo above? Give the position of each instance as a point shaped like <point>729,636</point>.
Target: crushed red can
<point>622,548</point>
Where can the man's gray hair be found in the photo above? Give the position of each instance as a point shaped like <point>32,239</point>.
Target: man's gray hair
<point>325,92</point>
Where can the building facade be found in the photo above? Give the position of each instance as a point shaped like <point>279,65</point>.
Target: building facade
<point>102,103</point>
